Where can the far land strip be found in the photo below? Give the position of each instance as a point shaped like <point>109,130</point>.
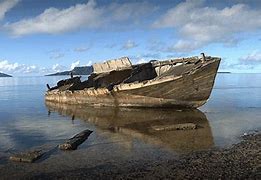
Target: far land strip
<point>83,70</point>
<point>4,75</point>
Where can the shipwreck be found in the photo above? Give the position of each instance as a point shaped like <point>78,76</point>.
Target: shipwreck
<point>179,83</point>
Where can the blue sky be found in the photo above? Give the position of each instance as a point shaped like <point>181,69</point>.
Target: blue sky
<point>46,36</point>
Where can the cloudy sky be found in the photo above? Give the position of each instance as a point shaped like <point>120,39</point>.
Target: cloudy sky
<point>45,36</point>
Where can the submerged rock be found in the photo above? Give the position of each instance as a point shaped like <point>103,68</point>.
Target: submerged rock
<point>75,141</point>
<point>185,126</point>
<point>29,157</point>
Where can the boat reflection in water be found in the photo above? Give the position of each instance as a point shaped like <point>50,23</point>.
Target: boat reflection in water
<point>139,123</point>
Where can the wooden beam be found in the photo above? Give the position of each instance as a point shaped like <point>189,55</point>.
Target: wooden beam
<point>75,141</point>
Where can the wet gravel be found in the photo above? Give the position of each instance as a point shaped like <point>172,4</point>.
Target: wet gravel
<point>241,161</point>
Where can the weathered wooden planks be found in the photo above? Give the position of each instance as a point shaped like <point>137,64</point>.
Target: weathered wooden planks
<point>29,157</point>
<point>75,141</point>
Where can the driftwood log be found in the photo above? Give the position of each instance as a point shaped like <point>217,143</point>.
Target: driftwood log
<point>75,141</point>
<point>185,126</point>
<point>28,157</point>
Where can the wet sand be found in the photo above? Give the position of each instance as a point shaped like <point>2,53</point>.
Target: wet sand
<point>241,161</point>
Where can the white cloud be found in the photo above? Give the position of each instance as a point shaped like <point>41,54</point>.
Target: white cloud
<point>23,69</point>
<point>58,68</point>
<point>54,21</point>
<point>56,55</point>
<point>141,60</point>
<point>151,55</point>
<point>110,46</point>
<point>7,67</point>
<point>133,10</point>
<point>253,58</point>
<point>75,64</point>
<point>198,25</point>
<point>146,57</point>
<point>184,46</point>
<point>156,45</point>
<point>129,45</point>
<point>250,63</point>
<point>81,49</point>
<point>89,63</point>
<point>5,6</point>
<point>31,69</point>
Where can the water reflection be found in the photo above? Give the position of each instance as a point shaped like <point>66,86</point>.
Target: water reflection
<point>137,123</point>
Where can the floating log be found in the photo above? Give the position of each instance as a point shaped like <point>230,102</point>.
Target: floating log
<point>75,141</point>
<point>185,126</point>
<point>29,157</point>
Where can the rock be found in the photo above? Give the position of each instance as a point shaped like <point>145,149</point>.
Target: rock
<point>28,157</point>
<point>75,141</point>
<point>185,126</point>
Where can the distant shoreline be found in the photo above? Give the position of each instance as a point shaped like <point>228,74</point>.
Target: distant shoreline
<point>225,72</point>
<point>83,70</point>
<point>5,75</point>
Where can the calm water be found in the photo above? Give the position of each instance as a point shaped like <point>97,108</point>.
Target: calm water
<point>27,122</point>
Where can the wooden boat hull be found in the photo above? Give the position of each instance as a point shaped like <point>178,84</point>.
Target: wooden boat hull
<point>189,90</point>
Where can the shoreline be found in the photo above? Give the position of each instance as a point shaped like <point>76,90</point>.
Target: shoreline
<point>240,161</point>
